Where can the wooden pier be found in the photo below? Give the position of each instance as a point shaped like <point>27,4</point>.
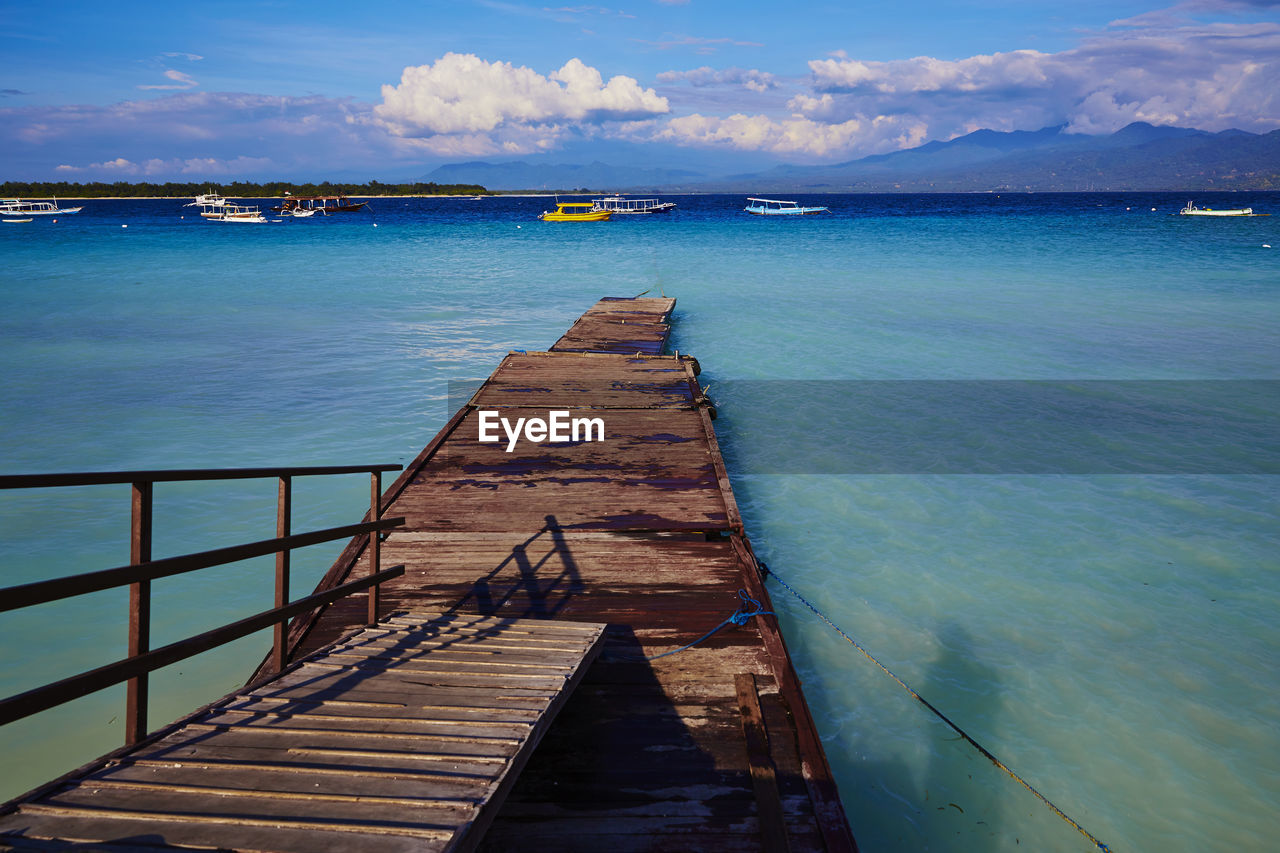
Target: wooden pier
<point>633,526</point>
<point>711,748</point>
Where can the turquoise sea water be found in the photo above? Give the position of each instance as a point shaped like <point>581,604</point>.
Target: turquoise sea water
<point>1109,633</point>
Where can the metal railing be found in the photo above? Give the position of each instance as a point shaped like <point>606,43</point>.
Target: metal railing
<point>142,570</point>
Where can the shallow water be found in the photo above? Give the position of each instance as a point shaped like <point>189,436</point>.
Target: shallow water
<point>1106,631</point>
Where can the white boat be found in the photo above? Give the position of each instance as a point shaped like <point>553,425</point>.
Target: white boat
<point>210,204</point>
<point>207,200</point>
<point>17,207</point>
<point>28,219</point>
<point>618,204</point>
<point>237,213</point>
<point>774,207</point>
<point>298,211</point>
<point>1192,210</point>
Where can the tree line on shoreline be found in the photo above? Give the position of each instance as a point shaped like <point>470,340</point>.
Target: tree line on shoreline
<point>241,189</point>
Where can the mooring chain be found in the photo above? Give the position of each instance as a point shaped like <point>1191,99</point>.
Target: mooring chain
<point>767,573</point>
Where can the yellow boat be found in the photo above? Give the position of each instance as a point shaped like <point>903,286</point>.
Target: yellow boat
<point>574,211</point>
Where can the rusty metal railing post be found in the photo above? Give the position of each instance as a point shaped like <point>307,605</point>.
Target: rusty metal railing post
<point>375,544</point>
<point>135,722</point>
<point>284,510</point>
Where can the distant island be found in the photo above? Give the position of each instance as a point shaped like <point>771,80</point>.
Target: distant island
<point>235,189</point>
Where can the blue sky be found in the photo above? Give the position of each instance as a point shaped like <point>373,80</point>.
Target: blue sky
<point>389,90</point>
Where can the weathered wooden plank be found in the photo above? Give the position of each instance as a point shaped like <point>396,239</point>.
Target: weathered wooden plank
<point>298,779</point>
<point>460,758</point>
<point>362,729</point>
<point>150,830</point>
<point>456,708</point>
<point>773,834</point>
<point>433,818</point>
<point>264,779</point>
<point>337,685</point>
<point>589,381</point>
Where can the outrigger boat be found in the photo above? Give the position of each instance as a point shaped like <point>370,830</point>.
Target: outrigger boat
<point>237,213</point>
<point>773,207</point>
<point>574,211</point>
<point>207,200</point>
<point>1192,210</point>
<point>324,204</point>
<point>211,205</point>
<point>618,204</point>
<point>18,207</point>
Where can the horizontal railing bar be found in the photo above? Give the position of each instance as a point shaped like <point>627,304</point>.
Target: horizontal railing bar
<point>51,695</point>
<point>55,589</point>
<point>102,478</point>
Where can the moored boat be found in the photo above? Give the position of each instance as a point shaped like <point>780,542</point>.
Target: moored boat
<point>1192,210</point>
<point>774,207</point>
<point>574,211</point>
<point>620,205</point>
<point>325,204</point>
<point>210,204</point>
<point>237,213</point>
<point>207,200</point>
<point>18,207</point>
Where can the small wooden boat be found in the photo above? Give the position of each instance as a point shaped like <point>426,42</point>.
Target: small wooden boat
<point>207,200</point>
<point>237,213</point>
<point>574,211</point>
<point>773,207</point>
<point>324,204</point>
<point>210,204</point>
<point>629,206</point>
<point>28,219</point>
<point>1192,210</point>
<point>18,207</point>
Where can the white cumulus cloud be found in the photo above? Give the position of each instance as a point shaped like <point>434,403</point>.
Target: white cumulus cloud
<point>796,137</point>
<point>1213,77</point>
<point>462,101</point>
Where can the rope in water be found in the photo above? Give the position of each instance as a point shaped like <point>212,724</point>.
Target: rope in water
<point>767,573</point>
<point>738,617</point>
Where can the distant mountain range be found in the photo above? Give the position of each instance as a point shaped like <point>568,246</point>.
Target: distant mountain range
<point>1137,157</point>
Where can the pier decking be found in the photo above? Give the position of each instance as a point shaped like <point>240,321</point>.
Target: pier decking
<point>709,747</point>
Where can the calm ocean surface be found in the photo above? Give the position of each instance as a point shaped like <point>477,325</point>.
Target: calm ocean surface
<point>1108,629</point>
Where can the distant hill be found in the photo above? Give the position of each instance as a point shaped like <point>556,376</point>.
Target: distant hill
<point>1137,157</point>
<point>520,175</point>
